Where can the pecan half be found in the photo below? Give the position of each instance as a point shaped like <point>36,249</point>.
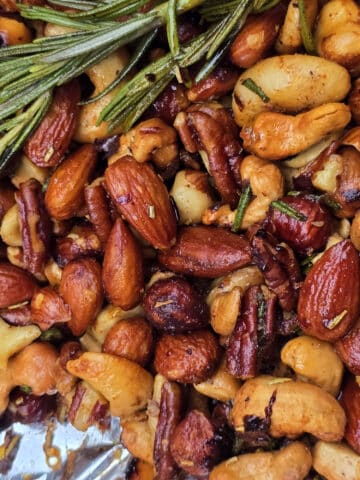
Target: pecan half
<point>98,211</point>
<point>81,241</point>
<point>47,308</point>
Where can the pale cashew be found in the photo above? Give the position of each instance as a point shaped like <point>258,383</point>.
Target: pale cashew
<point>10,227</point>
<point>314,361</point>
<point>292,462</point>
<point>293,83</point>
<point>25,170</point>
<point>275,136</point>
<point>53,273</point>
<point>298,407</point>
<point>336,461</point>
<point>355,230</point>
<point>138,439</point>
<point>289,39</point>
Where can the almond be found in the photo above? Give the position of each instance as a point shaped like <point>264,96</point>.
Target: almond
<point>348,349</point>
<point>329,298</point>
<point>350,401</point>
<point>206,252</point>
<point>122,268</point>
<point>16,285</point>
<point>142,198</point>
<point>47,308</point>
<point>47,145</point>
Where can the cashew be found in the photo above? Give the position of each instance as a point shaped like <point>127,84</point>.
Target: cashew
<point>292,462</point>
<point>326,178</point>
<point>336,461</point>
<point>192,194</point>
<point>299,407</point>
<point>315,361</point>
<point>274,136</point>
<point>25,170</point>
<point>101,75</point>
<point>52,30</point>
<point>15,255</point>
<point>289,39</point>
<point>10,227</point>
<point>53,273</point>
<point>14,32</point>
<point>138,439</point>
<point>355,230</point>
<point>293,83</point>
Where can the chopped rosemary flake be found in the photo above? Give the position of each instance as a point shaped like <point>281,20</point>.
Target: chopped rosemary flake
<point>305,31</point>
<point>288,210</point>
<point>51,335</point>
<point>151,211</point>
<point>261,311</point>
<point>331,324</point>
<point>330,202</point>
<point>251,85</point>
<point>293,193</point>
<point>25,389</point>
<point>171,27</point>
<point>244,201</point>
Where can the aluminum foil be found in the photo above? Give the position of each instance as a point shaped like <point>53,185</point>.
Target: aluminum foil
<point>90,455</point>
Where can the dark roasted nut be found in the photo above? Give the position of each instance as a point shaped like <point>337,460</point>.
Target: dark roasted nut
<point>347,193</point>
<point>348,349</point>
<point>69,351</point>
<point>122,268</point>
<point>142,198</point>
<point>65,193</point>
<point>98,210</point>
<point>350,401</point>
<point>34,225</point>
<point>218,83</point>
<point>173,305</point>
<point>27,408</point>
<point>354,101</point>
<point>50,141</point>
<point>254,333</point>
<point>329,302</point>
<point>256,37</point>
<point>305,235</point>
<point>169,417</point>
<point>206,252</point>
<point>210,128</point>
<point>131,338</point>
<point>16,285</point>
<point>81,241</point>
<point>81,289</point>
<point>169,103</point>
<point>187,358</point>
<point>47,308</point>
<point>19,316</point>
<point>7,198</point>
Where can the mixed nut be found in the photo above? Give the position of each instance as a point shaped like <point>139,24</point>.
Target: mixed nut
<point>199,274</point>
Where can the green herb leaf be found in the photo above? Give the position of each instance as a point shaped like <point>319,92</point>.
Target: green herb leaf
<point>26,389</point>
<point>288,210</point>
<point>251,85</point>
<point>54,334</point>
<point>171,27</point>
<point>244,201</point>
<point>305,31</point>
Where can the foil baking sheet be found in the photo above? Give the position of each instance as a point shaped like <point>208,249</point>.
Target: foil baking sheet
<point>90,455</point>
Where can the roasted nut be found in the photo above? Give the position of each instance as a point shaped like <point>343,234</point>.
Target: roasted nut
<point>206,252</point>
<point>355,230</point>
<point>187,358</point>
<point>11,6</point>
<point>293,461</point>
<point>53,273</point>
<point>329,301</point>
<point>348,349</point>
<point>69,351</point>
<point>125,384</point>
<point>47,308</point>
<point>13,31</point>
<point>10,227</point>
<point>81,241</point>
<point>291,134</point>
<point>303,353</point>
<point>218,83</point>
<point>256,37</point>
<point>169,103</point>
<point>350,401</point>
<point>220,386</point>
<point>28,408</point>
<point>142,198</point>
<point>50,141</point>
<point>173,305</point>
<point>82,290</point>
<point>336,461</point>
<point>98,210</point>
<point>306,235</point>
<point>16,285</point>
<point>7,198</point>
<point>293,83</point>
<point>25,170</point>
<point>137,438</point>
<point>19,316</point>
<point>130,338</point>
<point>354,101</point>
<point>65,193</point>
<point>297,407</point>
<point>141,470</point>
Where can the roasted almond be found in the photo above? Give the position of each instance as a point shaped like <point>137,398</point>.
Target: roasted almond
<point>142,198</point>
<point>16,285</point>
<point>348,349</point>
<point>329,297</point>
<point>206,252</point>
<point>48,144</point>
<point>47,308</point>
<point>350,401</point>
<point>122,268</point>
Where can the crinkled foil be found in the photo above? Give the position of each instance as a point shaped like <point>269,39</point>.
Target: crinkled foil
<point>91,455</point>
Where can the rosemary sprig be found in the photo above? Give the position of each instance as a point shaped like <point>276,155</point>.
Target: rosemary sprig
<point>171,28</point>
<point>244,201</point>
<point>305,31</point>
<point>288,210</point>
<point>251,85</point>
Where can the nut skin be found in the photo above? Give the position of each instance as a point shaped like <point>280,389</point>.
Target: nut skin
<point>187,358</point>
<point>348,349</point>
<point>347,193</point>
<point>122,272</point>
<point>81,241</point>
<point>131,338</point>
<point>330,289</point>
<point>65,193</point>
<point>350,401</point>
<point>20,316</point>
<point>173,305</point>
<point>47,308</point>
<point>206,252</point>
<point>354,101</point>
<point>81,289</point>
<point>136,190</point>
<point>69,351</point>
<point>97,206</point>
<point>169,103</point>
<point>50,141</point>
<point>16,285</point>
<point>218,83</point>
<point>303,236</point>
<point>7,198</point>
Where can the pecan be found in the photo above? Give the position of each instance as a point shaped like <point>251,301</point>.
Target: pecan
<point>354,101</point>
<point>98,210</point>
<point>253,334</point>
<point>350,401</point>
<point>173,305</point>
<point>19,316</point>
<point>218,83</point>
<point>69,351</point>
<point>81,241</point>
<point>169,417</point>
<point>16,285</point>
<point>348,349</point>
<point>7,198</point>
<point>206,252</point>
<point>47,308</point>
<point>169,103</point>
<point>48,144</point>
<point>210,128</point>
<point>35,226</point>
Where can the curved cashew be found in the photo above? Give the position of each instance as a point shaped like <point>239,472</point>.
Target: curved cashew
<point>336,461</point>
<point>291,462</point>
<point>315,361</point>
<point>137,437</point>
<point>274,136</point>
<point>299,407</point>
<point>10,227</point>
<point>25,170</point>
